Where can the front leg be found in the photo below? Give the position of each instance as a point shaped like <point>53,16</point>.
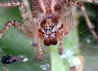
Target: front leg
<point>91,28</point>
<point>91,1</point>
<point>60,45</point>
<point>60,35</point>
<point>19,26</point>
<point>38,49</point>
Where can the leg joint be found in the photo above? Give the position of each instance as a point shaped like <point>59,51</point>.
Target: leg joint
<point>91,29</point>
<point>15,3</point>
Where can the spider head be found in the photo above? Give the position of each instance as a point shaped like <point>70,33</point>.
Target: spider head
<point>48,25</point>
<point>49,31</point>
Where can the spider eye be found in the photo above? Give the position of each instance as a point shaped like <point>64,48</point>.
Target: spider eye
<point>43,22</point>
<point>47,29</point>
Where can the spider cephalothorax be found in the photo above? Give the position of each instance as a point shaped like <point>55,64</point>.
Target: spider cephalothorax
<point>49,28</point>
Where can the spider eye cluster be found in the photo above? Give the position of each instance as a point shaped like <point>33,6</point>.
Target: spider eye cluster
<point>47,29</point>
<point>48,24</point>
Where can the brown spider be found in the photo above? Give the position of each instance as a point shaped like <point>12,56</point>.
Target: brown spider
<point>49,21</point>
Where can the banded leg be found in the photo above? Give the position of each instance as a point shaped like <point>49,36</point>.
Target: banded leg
<point>40,51</point>
<point>22,9</point>
<point>91,1</point>
<point>91,28</point>
<point>36,38</point>
<point>21,27</point>
<point>35,21</point>
<point>60,34</point>
<point>60,46</point>
<point>39,54</point>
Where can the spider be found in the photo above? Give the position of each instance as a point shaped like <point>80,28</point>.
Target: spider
<point>49,21</point>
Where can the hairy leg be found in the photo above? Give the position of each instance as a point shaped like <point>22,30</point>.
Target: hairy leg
<point>38,51</point>
<point>91,1</point>
<point>91,28</point>
<point>60,46</point>
<point>17,25</point>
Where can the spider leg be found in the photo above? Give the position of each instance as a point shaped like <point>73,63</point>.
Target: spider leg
<point>91,1</point>
<point>27,28</point>
<point>27,7</point>
<point>60,45</point>
<point>36,38</point>
<point>91,28</point>
<point>18,25</point>
<point>40,51</point>
<point>22,9</point>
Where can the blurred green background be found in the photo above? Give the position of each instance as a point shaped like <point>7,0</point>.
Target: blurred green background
<point>15,43</point>
<point>88,44</point>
